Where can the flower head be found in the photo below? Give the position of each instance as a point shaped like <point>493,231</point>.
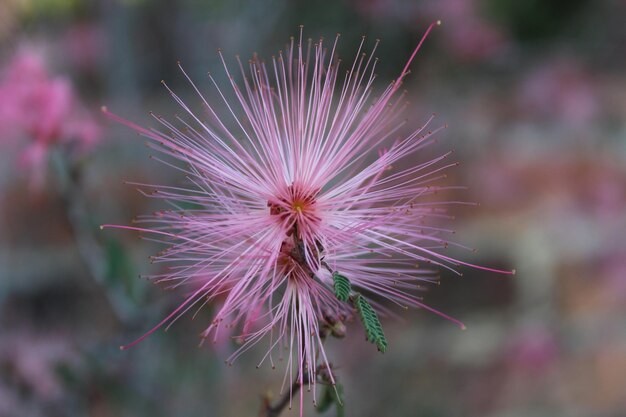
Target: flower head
<point>297,214</point>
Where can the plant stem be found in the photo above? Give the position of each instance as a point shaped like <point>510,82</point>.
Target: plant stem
<point>89,247</point>
<point>269,410</point>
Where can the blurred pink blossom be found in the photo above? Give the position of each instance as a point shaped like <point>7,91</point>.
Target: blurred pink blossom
<point>467,35</point>
<point>562,90</point>
<point>32,359</point>
<point>85,45</point>
<point>533,349</point>
<point>39,111</point>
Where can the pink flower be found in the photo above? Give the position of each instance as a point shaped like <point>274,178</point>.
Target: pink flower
<point>42,112</point>
<point>288,188</point>
<point>533,349</point>
<point>561,90</point>
<point>34,358</point>
<point>467,35</point>
<point>85,46</point>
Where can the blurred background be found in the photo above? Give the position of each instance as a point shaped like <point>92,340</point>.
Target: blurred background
<point>534,95</point>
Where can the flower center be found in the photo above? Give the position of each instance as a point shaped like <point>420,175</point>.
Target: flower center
<point>297,207</point>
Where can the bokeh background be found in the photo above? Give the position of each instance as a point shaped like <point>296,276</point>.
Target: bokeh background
<point>534,95</point>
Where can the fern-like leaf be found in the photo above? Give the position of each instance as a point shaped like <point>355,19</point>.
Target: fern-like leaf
<point>342,286</point>
<point>373,328</point>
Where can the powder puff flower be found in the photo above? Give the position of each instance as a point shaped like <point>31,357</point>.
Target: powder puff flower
<point>291,212</point>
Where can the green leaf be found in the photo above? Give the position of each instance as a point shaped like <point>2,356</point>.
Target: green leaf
<point>119,268</point>
<point>373,328</point>
<point>342,286</point>
<point>332,395</point>
<point>327,399</point>
<point>339,402</point>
